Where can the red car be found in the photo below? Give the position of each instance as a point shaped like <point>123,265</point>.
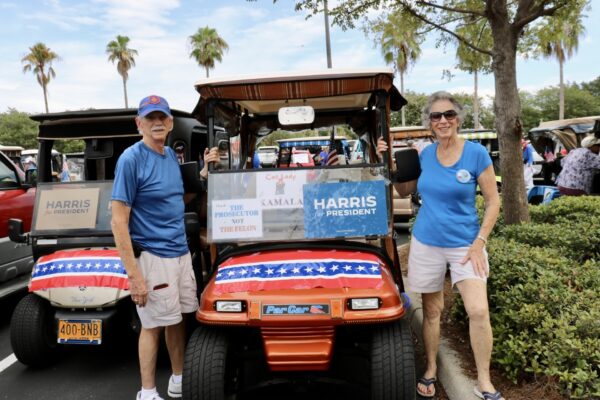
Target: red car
<point>16,201</point>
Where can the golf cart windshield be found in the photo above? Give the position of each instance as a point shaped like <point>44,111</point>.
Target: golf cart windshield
<point>72,209</point>
<point>298,204</point>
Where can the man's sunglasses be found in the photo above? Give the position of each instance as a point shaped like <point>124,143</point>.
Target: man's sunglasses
<point>449,115</point>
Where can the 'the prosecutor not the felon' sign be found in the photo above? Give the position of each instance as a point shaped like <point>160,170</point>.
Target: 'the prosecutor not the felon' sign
<point>345,209</point>
<point>239,218</point>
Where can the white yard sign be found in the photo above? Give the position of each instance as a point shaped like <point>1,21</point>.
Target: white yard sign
<point>236,219</point>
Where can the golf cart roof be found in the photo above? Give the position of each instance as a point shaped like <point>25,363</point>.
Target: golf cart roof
<point>577,125</point>
<point>471,134</point>
<point>409,132</point>
<point>88,124</point>
<point>332,89</point>
<point>308,141</point>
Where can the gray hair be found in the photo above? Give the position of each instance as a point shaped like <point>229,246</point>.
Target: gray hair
<point>437,96</point>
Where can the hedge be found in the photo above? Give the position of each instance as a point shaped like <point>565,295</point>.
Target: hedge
<point>544,294</point>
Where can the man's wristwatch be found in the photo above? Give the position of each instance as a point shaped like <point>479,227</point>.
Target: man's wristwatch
<point>484,240</point>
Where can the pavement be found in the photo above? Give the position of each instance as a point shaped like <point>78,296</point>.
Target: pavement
<point>450,374</point>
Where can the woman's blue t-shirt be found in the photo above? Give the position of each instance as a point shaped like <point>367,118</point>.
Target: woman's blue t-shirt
<point>448,217</point>
<point>151,184</point>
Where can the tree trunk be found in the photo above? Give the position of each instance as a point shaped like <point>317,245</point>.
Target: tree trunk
<point>507,109</point>
<point>476,124</point>
<point>125,91</point>
<point>561,92</point>
<point>206,71</point>
<point>45,97</point>
<point>402,91</point>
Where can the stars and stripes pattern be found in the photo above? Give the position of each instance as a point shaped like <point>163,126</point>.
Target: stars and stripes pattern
<point>74,268</point>
<point>332,157</point>
<point>299,269</point>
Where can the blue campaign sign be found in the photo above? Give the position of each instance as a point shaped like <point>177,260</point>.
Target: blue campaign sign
<point>345,209</point>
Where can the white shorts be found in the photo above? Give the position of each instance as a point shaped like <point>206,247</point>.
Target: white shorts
<point>171,287</point>
<point>427,267</point>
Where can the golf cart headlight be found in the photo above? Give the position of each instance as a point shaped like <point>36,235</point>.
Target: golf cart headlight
<point>369,303</point>
<point>229,306</point>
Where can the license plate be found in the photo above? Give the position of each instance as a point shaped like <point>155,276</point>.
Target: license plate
<point>80,331</point>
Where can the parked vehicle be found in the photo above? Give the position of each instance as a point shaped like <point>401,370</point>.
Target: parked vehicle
<point>31,155</point>
<point>16,201</point>
<point>305,281</point>
<point>554,139</point>
<point>267,156</point>
<point>14,153</point>
<point>79,291</point>
<point>307,149</point>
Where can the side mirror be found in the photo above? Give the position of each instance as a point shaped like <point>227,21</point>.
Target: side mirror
<point>192,224</point>
<point>15,231</point>
<point>408,166</point>
<point>191,177</point>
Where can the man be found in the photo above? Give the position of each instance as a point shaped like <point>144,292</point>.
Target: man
<point>579,167</point>
<point>527,164</point>
<point>148,212</point>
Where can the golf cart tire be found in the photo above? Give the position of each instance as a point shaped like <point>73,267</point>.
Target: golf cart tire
<point>393,362</point>
<point>205,365</point>
<point>31,336</point>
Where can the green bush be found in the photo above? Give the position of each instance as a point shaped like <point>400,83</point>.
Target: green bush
<point>544,296</point>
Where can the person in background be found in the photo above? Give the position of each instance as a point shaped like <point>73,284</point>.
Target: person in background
<point>527,163</point>
<point>447,231</point>
<point>323,155</point>
<point>256,161</point>
<point>148,215</point>
<point>579,167</point>
<point>29,164</point>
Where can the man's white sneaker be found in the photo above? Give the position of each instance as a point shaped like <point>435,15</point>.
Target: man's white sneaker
<point>174,389</point>
<point>155,396</point>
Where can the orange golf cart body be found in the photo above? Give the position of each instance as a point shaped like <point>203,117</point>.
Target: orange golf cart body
<point>303,261</point>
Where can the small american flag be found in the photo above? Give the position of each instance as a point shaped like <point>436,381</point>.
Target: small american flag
<point>73,268</point>
<point>296,269</point>
<point>332,157</point>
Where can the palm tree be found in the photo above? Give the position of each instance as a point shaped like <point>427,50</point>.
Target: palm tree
<point>207,47</point>
<point>39,61</point>
<point>117,50</point>
<point>400,43</point>
<point>561,41</point>
<point>473,61</point>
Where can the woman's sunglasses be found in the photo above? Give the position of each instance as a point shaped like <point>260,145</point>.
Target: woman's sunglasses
<point>449,115</point>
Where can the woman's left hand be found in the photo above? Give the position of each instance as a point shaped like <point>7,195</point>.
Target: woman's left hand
<point>381,146</point>
<point>477,258</point>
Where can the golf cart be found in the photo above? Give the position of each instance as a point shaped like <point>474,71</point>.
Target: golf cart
<point>304,282</point>
<point>554,139</point>
<point>79,291</point>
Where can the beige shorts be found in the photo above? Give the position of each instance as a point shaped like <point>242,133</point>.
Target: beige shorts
<point>427,267</point>
<point>171,287</point>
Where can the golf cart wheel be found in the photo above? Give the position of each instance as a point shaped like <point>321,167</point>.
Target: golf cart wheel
<point>32,336</point>
<point>393,362</point>
<point>206,373</point>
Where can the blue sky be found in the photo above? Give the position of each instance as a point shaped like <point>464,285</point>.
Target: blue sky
<point>263,37</point>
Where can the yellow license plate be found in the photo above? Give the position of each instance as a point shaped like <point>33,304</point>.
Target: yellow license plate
<point>80,331</point>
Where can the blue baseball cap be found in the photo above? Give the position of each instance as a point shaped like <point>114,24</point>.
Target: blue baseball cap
<point>153,103</point>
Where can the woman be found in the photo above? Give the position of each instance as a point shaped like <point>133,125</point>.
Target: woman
<point>447,231</point>
<point>579,167</point>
